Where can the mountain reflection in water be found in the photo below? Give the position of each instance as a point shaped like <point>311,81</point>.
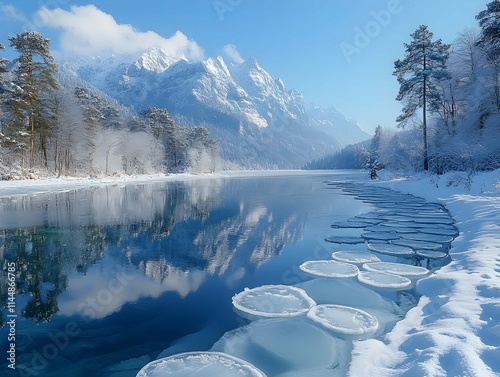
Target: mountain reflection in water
<point>137,267</point>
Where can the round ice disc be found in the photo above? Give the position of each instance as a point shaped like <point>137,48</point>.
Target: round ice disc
<point>350,224</point>
<point>344,319</point>
<point>329,269</point>
<point>355,257</point>
<point>346,239</point>
<point>434,220</point>
<point>391,249</point>
<point>383,280</point>
<point>272,301</point>
<point>380,236</point>
<point>431,254</point>
<point>419,245</point>
<point>406,270</point>
<point>200,364</point>
<point>423,236</point>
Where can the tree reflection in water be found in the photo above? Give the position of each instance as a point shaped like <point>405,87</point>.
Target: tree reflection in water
<point>162,230</point>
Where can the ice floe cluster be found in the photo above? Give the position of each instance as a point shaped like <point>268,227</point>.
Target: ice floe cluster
<point>308,329</point>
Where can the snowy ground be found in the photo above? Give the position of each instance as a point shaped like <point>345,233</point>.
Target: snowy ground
<point>455,328</point>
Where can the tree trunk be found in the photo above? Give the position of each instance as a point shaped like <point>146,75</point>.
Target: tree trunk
<point>426,155</point>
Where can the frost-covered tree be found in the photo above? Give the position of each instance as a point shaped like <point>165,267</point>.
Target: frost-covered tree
<point>3,70</point>
<point>162,126</point>
<point>374,158</point>
<point>93,118</point>
<point>3,89</point>
<point>70,146</point>
<point>419,73</point>
<point>202,150</point>
<point>35,76</point>
<point>489,21</point>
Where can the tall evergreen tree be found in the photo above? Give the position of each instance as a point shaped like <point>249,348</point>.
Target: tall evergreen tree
<point>489,21</point>
<point>93,118</point>
<point>35,76</point>
<point>3,91</point>
<point>162,126</point>
<point>418,74</point>
<point>3,70</point>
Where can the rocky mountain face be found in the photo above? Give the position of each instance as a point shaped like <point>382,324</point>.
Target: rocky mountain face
<point>259,122</point>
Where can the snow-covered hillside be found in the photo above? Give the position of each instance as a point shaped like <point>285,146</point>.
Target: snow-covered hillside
<point>334,123</point>
<point>241,104</point>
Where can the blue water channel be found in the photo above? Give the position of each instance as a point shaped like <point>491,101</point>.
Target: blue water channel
<point>111,277</point>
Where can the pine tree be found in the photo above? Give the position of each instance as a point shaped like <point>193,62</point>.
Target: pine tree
<point>3,92</point>
<point>93,118</point>
<point>161,125</point>
<point>35,77</point>
<point>418,74</point>
<point>3,70</point>
<point>489,21</point>
<point>373,161</point>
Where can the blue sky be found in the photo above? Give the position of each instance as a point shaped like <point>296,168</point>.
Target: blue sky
<point>337,53</point>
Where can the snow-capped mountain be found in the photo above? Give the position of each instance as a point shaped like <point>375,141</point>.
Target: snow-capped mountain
<point>260,123</point>
<point>334,123</point>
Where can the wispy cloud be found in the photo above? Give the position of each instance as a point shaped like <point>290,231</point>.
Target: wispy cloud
<point>87,30</point>
<point>10,13</point>
<point>232,53</point>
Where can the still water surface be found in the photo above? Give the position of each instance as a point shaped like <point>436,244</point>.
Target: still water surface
<point>110,277</point>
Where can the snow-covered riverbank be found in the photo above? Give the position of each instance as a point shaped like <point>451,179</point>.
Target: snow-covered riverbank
<point>35,186</point>
<point>455,328</point>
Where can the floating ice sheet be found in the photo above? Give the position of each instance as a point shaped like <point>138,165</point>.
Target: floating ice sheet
<point>350,292</point>
<point>371,216</point>
<point>411,272</point>
<point>355,257</point>
<point>350,224</point>
<point>272,301</point>
<point>434,220</point>
<point>445,231</point>
<point>202,364</point>
<point>329,269</point>
<point>383,280</point>
<point>368,219</point>
<point>381,236</point>
<point>419,245</point>
<point>401,224</point>
<point>344,320</point>
<point>421,236</point>
<point>385,229</point>
<point>398,218</point>
<point>391,249</point>
<point>347,240</point>
<point>430,254</point>
<point>282,345</point>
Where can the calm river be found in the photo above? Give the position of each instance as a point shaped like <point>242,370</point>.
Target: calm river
<point>110,277</point>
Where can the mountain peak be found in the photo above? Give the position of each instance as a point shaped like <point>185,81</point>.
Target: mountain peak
<point>155,59</point>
